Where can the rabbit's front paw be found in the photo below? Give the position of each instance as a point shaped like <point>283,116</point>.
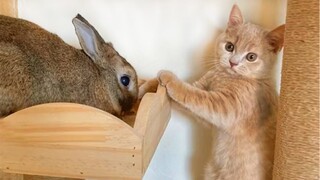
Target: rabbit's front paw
<point>165,77</point>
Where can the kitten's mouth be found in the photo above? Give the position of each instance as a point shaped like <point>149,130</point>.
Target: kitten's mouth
<point>231,70</point>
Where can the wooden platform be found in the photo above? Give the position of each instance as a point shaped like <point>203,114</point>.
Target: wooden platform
<point>78,141</point>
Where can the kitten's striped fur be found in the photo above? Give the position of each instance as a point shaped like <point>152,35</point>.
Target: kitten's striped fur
<point>239,100</point>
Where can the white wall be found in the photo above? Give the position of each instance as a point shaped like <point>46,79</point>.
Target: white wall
<point>155,35</point>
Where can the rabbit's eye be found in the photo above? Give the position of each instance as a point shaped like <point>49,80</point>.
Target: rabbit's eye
<point>125,80</point>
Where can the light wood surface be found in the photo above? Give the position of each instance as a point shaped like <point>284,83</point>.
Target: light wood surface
<point>69,125</point>
<point>78,141</point>
<point>9,8</point>
<point>151,122</point>
<point>71,140</point>
<point>10,176</point>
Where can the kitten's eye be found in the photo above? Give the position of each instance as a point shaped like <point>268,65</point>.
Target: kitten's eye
<point>125,80</point>
<point>229,47</point>
<point>251,57</point>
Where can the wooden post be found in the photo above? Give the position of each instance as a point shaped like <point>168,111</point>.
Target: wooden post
<point>9,8</point>
<point>297,143</point>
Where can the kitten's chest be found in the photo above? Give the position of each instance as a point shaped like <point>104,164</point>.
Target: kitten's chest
<point>221,82</point>
<point>220,79</point>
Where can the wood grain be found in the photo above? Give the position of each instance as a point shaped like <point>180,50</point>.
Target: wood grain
<point>78,141</point>
<point>9,8</point>
<point>69,140</point>
<point>151,121</point>
<point>9,176</point>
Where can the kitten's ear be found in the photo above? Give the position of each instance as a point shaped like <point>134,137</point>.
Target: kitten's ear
<point>235,17</point>
<point>276,38</point>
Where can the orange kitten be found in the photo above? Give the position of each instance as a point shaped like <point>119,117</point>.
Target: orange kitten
<point>238,97</point>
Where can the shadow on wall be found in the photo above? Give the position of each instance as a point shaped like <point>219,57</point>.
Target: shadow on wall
<point>264,19</point>
<point>203,133</point>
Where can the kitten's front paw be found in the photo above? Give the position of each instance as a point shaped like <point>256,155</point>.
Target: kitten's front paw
<point>165,77</point>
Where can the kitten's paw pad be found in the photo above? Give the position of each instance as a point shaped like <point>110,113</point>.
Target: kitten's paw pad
<point>164,77</point>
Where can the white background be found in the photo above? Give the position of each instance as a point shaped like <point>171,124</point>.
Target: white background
<point>154,35</point>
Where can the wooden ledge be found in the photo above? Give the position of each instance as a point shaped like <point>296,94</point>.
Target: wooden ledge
<point>78,141</point>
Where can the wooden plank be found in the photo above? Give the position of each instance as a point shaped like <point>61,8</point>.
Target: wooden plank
<point>9,176</point>
<point>34,177</point>
<point>152,118</point>
<point>78,141</point>
<point>72,163</point>
<point>69,140</point>
<point>67,124</point>
<point>297,139</point>
<point>149,102</point>
<point>9,8</point>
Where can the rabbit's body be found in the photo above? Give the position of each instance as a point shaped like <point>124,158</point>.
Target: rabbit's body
<point>39,67</point>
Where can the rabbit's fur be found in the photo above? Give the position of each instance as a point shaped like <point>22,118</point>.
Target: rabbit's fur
<point>38,67</point>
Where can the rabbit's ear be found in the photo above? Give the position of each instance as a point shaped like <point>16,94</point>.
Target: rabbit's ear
<point>89,38</point>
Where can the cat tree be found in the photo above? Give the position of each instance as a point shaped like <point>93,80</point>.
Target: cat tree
<point>297,144</point>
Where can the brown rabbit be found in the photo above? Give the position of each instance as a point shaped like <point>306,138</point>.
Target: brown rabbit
<point>39,67</point>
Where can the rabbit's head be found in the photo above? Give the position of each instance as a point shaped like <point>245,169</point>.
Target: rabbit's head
<point>120,76</point>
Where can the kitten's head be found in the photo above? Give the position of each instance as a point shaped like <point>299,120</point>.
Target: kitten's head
<point>247,49</point>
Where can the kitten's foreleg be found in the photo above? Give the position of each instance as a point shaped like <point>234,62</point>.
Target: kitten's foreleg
<point>209,105</point>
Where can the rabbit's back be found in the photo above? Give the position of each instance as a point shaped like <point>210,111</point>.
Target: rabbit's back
<point>37,43</point>
<point>39,67</point>
<point>30,38</point>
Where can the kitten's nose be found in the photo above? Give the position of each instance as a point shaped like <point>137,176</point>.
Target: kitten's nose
<point>232,64</point>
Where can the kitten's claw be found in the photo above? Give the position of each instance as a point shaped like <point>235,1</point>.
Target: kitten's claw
<point>164,77</point>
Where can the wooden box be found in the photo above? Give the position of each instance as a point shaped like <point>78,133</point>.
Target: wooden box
<point>78,141</point>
